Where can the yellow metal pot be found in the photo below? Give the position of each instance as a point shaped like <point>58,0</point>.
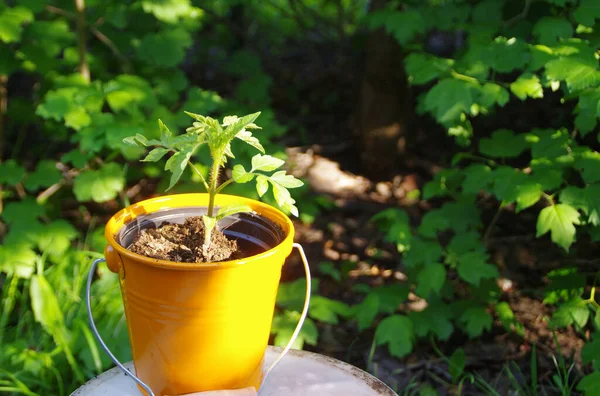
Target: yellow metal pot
<point>198,327</point>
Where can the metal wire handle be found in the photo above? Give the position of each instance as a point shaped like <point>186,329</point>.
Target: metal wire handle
<point>146,387</point>
<point>95,330</point>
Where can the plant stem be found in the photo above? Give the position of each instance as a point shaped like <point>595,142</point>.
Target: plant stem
<point>488,232</point>
<point>222,186</point>
<point>214,180</point>
<point>201,176</point>
<point>3,103</point>
<point>84,68</point>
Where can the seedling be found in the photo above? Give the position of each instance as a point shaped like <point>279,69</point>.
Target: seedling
<point>218,136</point>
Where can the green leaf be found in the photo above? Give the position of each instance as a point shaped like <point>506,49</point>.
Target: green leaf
<point>75,157</point>
<point>458,216</point>
<point>366,311</point>
<point>473,267</point>
<point>390,297</point>
<point>11,20</point>
<point>397,332</point>
<point>466,242</point>
<point>171,11</point>
<point>329,268</point>
<point>565,284</point>
<point>508,319</point>
<point>240,175</point>
<point>527,85</point>
<point>156,154</point>
<point>177,164</point>
<point>503,144</point>
<point>591,350</point>
<point>262,185</point>
<point>506,181</point>
<point>246,136</point>
<point>402,25</point>
<point>587,12</point>
<point>77,118</point>
<point>232,209</point>
<point>590,384</point>
<point>589,111</point>
<point>22,211</point>
<point>291,295</point>
<point>475,320</point>
<point>421,252</point>
<point>560,220</point>
<point>456,364</point>
<point>528,194</point>
<point>435,320</point>
<point>431,279</point>
<point>99,185</point>
<point>11,173</point>
<point>491,94</point>
<point>448,99</point>
<point>265,163</point>
<point>128,93</point>
<point>327,310</point>
<point>588,163</point>
<point>550,29</point>
<point>45,306</point>
<point>579,73</point>
<point>45,175</point>
<point>283,198</point>
<point>395,223</point>
<point>285,180</point>
<point>164,49</point>
<point>505,54</point>
<point>283,327</point>
<point>17,259</point>
<point>573,312</point>
<point>423,68</point>
<point>586,199</point>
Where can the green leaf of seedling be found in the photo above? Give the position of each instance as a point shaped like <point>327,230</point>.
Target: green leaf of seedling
<point>99,185</point>
<point>262,185</point>
<point>456,364</point>
<point>240,175</point>
<point>11,173</point>
<point>239,125</point>
<point>177,164</point>
<point>560,220</point>
<point>475,320</point>
<point>156,154</point>
<point>246,136</point>
<point>265,163</point>
<point>473,266</point>
<point>232,209</point>
<point>284,198</point>
<point>285,180</point>
<point>397,332</point>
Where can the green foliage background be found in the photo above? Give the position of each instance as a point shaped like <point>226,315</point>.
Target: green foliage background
<point>65,168</point>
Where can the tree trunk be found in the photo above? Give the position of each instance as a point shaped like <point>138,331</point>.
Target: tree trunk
<point>385,108</point>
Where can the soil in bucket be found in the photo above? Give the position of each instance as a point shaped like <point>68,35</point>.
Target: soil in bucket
<point>183,243</point>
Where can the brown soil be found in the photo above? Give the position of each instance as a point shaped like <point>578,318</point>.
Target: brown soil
<point>183,243</point>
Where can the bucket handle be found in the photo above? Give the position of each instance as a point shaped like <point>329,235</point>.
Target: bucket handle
<point>141,383</point>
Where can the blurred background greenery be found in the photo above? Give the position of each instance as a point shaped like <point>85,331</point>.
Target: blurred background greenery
<point>449,149</point>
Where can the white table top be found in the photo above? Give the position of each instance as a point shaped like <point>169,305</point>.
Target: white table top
<point>300,373</point>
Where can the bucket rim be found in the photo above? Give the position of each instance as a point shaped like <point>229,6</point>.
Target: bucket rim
<point>179,201</point>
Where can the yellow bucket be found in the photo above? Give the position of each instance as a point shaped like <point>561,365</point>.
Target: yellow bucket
<point>199,327</point>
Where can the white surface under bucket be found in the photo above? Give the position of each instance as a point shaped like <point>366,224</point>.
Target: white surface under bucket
<point>300,373</point>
